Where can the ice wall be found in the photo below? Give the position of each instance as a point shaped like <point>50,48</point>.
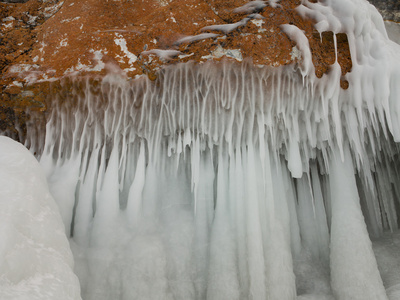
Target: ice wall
<point>230,181</point>
<point>35,258</point>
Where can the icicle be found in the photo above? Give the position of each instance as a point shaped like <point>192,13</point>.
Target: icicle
<point>354,269</point>
<point>84,209</point>
<point>223,282</point>
<point>135,197</point>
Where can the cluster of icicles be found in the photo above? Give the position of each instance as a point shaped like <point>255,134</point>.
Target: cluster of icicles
<point>229,181</point>
<point>221,181</point>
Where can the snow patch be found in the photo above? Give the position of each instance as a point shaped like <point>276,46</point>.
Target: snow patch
<point>257,22</point>
<point>164,55</point>
<point>17,83</point>
<point>220,52</point>
<point>120,41</point>
<point>9,18</point>
<point>295,53</point>
<point>64,42</point>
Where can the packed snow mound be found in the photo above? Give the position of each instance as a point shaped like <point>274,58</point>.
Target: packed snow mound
<point>35,258</point>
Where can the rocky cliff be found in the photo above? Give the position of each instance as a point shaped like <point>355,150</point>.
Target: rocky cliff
<point>44,41</point>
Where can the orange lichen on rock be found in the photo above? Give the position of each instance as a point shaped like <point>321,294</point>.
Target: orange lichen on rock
<point>91,36</point>
<point>46,41</point>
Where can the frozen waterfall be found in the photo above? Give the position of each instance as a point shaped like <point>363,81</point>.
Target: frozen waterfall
<point>222,181</point>
<point>233,181</point>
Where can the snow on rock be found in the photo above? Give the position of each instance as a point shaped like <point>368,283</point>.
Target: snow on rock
<point>251,7</point>
<point>220,52</point>
<point>303,46</point>
<point>120,41</point>
<point>194,38</point>
<point>162,54</point>
<point>35,258</point>
<point>226,28</point>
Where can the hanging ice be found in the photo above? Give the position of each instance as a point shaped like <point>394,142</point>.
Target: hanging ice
<point>229,181</point>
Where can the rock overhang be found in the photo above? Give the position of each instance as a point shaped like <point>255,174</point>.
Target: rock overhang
<point>134,38</point>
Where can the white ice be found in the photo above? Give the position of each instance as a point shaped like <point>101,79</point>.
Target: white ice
<point>226,28</point>
<point>195,38</point>
<point>35,258</point>
<point>162,54</point>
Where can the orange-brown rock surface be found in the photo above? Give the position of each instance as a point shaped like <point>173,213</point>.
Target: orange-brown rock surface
<point>43,41</point>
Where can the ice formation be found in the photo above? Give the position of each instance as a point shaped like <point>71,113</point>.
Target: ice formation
<point>194,38</point>
<point>35,258</point>
<point>165,55</point>
<point>230,181</point>
<point>226,28</point>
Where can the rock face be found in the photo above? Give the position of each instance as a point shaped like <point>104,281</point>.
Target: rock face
<point>43,41</point>
<point>389,9</point>
<point>88,36</point>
